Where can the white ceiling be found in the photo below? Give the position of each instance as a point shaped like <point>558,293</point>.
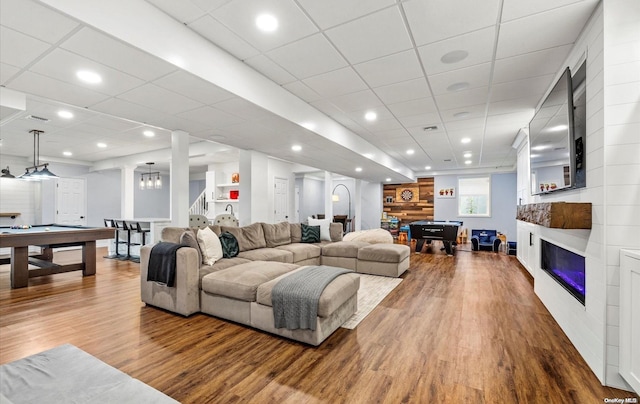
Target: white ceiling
<point>342,57</point>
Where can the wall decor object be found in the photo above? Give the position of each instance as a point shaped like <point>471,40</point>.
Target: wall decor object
<point>408,194</point>
<point>388,199</point>
<point>446,193</point>
<point>235,177</point>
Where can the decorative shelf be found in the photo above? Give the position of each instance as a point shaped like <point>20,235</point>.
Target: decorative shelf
<point>557,215</point>
<point>12,215</point>
<point>226,200</point>
<point>229,185</point>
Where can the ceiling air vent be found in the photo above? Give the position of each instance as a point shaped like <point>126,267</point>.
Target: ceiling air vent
<point>37,118</point>
<point>447,160</point>
<point>430,128</point>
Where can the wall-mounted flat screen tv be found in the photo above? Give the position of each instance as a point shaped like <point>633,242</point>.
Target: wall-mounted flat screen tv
<point>552,142</point>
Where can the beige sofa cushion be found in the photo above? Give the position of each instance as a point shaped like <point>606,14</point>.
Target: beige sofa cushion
<point>373,236</point>
<point>220,265</point>
<point>335,231</point>
<point>267,254</point>
<point>334,295</point>
<point>393,253</point>
<point>172,234</point>
<point>346,249</point>
<point>189,239</point>
<point>241,281</point>
<point>296,232</point>
<point>276,234</point>
<point>249,237</point>
<point>302,251</point>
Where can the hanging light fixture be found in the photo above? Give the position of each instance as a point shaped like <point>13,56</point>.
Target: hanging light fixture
<point>6,173</point>
<point>150,180</point>
<point>35,175</point>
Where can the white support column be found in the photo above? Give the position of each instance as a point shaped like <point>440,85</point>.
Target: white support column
<point>254,188</point>
<point>179,178</point>
<point>328,201</point>
<point>358,206</point>
<point>127,180</point>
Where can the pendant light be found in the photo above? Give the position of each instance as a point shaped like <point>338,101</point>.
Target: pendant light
<point>150,180</point>
<point>36,175</point>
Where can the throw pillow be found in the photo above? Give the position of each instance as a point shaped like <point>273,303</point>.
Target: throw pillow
<point>324,227</point>
<point>209,245</point>
<point>229,245</point>
<point>310,234</point>
<point>189,239</point>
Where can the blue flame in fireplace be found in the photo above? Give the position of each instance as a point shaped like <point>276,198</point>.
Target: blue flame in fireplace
<point>566,267</point>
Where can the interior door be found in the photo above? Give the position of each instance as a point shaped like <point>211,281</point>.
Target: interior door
<point>281,200</point>
<point>71,201</point>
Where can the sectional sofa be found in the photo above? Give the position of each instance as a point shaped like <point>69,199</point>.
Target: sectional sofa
<point>239,288</point>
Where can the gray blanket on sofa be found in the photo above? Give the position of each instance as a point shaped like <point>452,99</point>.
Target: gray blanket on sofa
<point>295,297</point>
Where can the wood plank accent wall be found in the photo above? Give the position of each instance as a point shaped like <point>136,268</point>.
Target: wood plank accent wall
<point>410,211</point>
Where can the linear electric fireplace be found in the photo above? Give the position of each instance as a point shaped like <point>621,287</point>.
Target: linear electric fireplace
<point>565,267</point>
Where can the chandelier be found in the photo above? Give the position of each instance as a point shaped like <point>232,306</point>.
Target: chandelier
<point>150,180</point>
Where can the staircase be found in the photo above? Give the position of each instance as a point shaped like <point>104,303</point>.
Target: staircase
<point>199,207</point>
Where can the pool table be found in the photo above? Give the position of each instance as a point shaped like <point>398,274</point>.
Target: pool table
<point>48,237</point>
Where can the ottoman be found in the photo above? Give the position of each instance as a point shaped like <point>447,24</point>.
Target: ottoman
<point>383,259</point>
<point>343,254</point>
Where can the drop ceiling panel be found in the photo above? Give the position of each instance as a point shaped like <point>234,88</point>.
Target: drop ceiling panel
<point>421,120</point>
<point>532,33</point>
<point>514,9</point>
<point>63,65</point>
<point>239,16</point>
<point>32,83</point>
<point>430,22</point>
<point>7,72</point>
<point>335,83</point>
<point>308,57</point>
<point>223,37</point>
<point>329,13</point>
<point>467,112</point>
<point>404,91</point>
<point>33,19</point>
<point>18,49</point>
<point>473,77</point>
<point>129,110</point>
<point>197,88</point>
<point>244,109</point>
<point>528,65</point>
<point>478,44</point>
<point>356,101</point>
<point>184,11</point>
<point>515,89</point>
<point>154,97</point>
<point>413,107</point>
<point>108,51</point>
<point>270,69</point>
<point>522,104</point>
<point>302,91</point>
<point>384,28</point>
<point>390,69</point>
<point>461,99</point>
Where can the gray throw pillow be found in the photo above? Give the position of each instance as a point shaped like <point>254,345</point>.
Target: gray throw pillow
<point>188,239</point>
<point>310,234</point>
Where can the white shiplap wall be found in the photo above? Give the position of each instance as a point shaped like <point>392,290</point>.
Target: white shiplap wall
<point>621,151</point>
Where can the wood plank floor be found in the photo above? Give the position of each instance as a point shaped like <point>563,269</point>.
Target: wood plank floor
<point>458,329</point>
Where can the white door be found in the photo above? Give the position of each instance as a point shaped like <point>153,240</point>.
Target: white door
<point>281,200</point>
<point>71,201</point>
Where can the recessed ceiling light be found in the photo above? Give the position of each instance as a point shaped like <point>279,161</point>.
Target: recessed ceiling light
<point>149,133</point>
<point>267,22</point>
<point>296,147</point>
<point>463,85</point>
<point>462,114</point>
<point>370,116</point>
<point>102,145</point>
<point>468,162</point>
<point>65,114</point>
<point>388,179</point>
<point>89,76</point>
<point>358,169</point>
<point>454,56</point>
<point>410,151</point>
<point>467,155</point>
<point>67,153</point>
<point>427,167</point>
<point>465,140</point>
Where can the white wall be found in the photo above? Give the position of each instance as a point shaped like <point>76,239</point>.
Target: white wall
<point>152,203</point>
<point>503,204</point>
<point>311,198</point>
<point>610,41</point>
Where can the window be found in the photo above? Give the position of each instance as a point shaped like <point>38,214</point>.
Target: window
<point>474,196</point>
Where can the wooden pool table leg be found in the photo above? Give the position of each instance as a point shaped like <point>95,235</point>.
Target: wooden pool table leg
<point>89,258</point>
<point>19,267</point>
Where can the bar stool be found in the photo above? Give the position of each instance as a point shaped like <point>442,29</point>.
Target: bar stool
<point>117,242</point>
<point>123,226</point>
<point>137,228</point>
